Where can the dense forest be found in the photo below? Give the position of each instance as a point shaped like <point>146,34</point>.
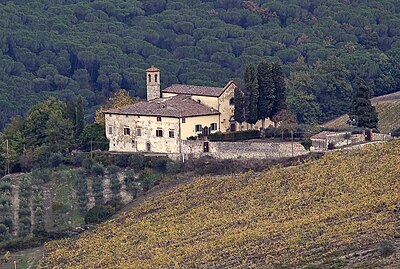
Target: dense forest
<point>93,48</point>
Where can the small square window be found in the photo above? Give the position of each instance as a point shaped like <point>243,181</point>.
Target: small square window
<point>138,132</point>
<point>110,129</point>
<point>159,133</point>
<point>213,126</point>
<point>183,120</point>
<point>171,133</point>
<point>127,131</point>
<point>158,118</point>
<point>232,101</point>
<point>198,128</point>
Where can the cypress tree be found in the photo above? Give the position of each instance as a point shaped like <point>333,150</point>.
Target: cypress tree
<point>266,91</point>
<point>71,112</point>
<point>362,108</point>
<point>279,88</point>
<point>239,106</point>
<point>252,91</point>
<point>80,121</point>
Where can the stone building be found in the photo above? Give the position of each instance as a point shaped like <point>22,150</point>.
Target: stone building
<point>160,124</point>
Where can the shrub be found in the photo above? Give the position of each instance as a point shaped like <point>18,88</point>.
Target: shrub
<point>5,187</point>
<point>159,164</point>
<point>39,221</point>
<point>122,160</point>
<point>87,163</point>
<point>42,174</point>
<point>77,160</point>
<point>98,189</point>
<point>55,160</point>
<point>112,169</point>
<point>97,169</point>
<point>174,167</point>
<point>115,185</point>
<point>331,145</point>
<point>99,214</point>
<point>307,144</point>
<point>386,248</point>
<point>4,233</point>
<point>103,159</point>
<point>148,179</point>
<point>136,162</point>
<point>396,133</point>
<point>24,226</point>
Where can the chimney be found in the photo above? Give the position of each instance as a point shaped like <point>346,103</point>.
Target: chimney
<point>153,83</point>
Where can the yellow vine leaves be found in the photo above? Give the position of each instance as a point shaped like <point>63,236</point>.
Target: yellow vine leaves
<point>281,217</point>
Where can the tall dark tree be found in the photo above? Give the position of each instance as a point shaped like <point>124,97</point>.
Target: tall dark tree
<point>80,121</point>
<point>279,88</point>
<point>250,81</point>
<point>362,109</point>
<point>239,106</point>
<point>71,112</point>
<point>266,91</point>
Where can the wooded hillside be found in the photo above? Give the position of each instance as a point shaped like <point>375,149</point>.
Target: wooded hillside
<point>93,48</point>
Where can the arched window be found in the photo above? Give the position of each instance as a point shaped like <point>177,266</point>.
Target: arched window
<point>149,78</point>
<point>155,78</point>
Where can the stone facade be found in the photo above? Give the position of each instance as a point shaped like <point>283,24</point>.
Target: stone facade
<point>142,133</point>
<point>160,125</point>
<point>153,83</point>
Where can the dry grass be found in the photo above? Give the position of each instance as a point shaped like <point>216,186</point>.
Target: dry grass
<point>388,108</point>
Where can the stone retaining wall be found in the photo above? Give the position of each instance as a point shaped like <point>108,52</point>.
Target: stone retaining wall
<point>244,150</point>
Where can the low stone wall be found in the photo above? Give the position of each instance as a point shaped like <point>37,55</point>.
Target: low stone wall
<point>244,150</point>
<point>381,137</point>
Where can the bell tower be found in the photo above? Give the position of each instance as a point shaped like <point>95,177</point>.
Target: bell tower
<point>153,83</point>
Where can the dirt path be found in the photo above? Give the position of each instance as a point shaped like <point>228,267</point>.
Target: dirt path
<point>90,196</point>
<point>125,196</point>
<point>48,211</point>
<point>106,189</point>
<point>15,209</point>
<point>32,216</point>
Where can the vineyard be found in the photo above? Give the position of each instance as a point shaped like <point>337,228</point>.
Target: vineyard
<point>44,201</point>
<point>388,108</point>
<point>281,218</point>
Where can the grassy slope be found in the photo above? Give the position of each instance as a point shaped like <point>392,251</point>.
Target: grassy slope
<point>388,108</point>
<point>282,217</point>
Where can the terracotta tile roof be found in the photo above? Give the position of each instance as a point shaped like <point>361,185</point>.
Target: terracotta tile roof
<point>152,69</point>
<point>176,106</point>
<point>194,90</point>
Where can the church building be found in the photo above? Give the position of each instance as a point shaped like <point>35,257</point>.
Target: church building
<point>160,124</point>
